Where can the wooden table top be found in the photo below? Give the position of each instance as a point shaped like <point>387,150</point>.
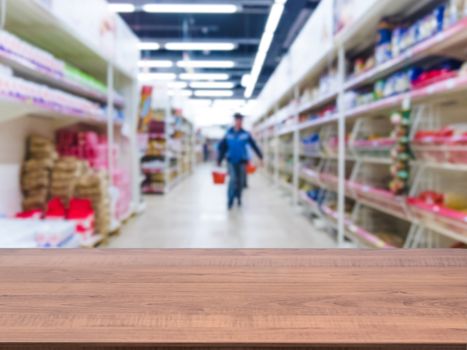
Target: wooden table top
<point>233,297</point>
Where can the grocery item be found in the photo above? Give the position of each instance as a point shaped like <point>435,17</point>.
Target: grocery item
<point>94,187</point>
<point>455,201</point>
<point>401,153</point>
<point>65,174</point>
<point>36,171</point>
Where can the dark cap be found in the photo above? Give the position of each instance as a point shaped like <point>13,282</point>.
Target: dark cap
<point>238,116</point>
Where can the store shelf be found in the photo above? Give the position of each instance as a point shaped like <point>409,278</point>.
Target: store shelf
<point>314,123</point>
<point>310,204</point>
<point>441,90</point>
<point>34,72</point>
<point>318,102</point>
<point>59,37</point>
<point>15,107</point>
<point>443,42</point>
<point>310,176</point>
<point>370,240</point>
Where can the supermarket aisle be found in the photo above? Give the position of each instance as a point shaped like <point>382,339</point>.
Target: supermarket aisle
<point>194,215</point>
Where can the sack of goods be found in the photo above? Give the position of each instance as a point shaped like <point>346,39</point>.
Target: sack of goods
<point>65,175</point>
<point>35,175</point>
<point>94,186</point>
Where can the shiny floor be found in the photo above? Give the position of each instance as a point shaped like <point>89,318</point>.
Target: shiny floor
<point>194,215</point>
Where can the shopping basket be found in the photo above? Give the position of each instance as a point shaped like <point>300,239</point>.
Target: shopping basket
<point>218,177</point>
<point>250,168</point>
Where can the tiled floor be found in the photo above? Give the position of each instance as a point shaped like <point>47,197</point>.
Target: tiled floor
<point>194,215</point>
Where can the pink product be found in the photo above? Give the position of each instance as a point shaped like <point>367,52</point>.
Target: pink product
<point>47,98</point>
<point>121,180</point>
<point>445,150</point>
<point>438,217</point>
<point>16,47</point>
<point>89,146</point>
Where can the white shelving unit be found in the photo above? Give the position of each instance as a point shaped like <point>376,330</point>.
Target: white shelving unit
<point>344,161</point>
<point>177,158</point>
<point>98,43</point>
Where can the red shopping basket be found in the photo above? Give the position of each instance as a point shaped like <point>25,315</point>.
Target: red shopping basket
<point>218,177</point>
<point>250,168</point>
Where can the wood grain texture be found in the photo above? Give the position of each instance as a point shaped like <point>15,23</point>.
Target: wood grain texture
<point>326,298</point>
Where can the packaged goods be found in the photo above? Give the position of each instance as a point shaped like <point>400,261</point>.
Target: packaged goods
<point>36,171</point>
<point>94,186</point>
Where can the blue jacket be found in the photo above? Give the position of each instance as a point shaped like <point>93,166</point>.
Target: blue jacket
<point>234,145</point>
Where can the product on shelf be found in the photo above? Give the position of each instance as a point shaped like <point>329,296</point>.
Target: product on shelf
<point>446,212</point>
<point>20,51</point>
<point>65,175</point>
<point>35,177</point>
<point>324,112</point>
<point>34,233</point>
<point>401,153</point>
<point>311,145</point>
<point>394,39</point>
<point>446,145</point>
<point>43,96</point>
<point>94,186</point>
<point>89,146</point>
<point>383,51</point>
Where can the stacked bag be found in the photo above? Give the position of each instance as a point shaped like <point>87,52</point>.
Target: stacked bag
<point>65,175</point>
<point>64,188</point>
<point>94,186</point>
<point>35,174</point>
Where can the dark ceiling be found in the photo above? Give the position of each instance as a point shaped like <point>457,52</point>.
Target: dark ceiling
<point>244,28</point>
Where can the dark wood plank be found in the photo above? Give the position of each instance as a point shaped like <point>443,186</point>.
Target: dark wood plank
<point>322,298</point>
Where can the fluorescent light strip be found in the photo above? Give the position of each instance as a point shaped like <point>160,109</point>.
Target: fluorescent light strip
<point>156,76</point>
<point>189,8</point>
<point>199,46</point>
<point>183,93</point>
<point>214,93</point>
<point>122,8</point>
<point>155,64</point>
<point>266,40</point>
<point>206,64</point>
<point>177,85</point>
<point>204,76</point>
<point>212,85</point>
<point>148,46</point>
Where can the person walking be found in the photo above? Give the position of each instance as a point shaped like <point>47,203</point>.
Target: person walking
<point>234,147</point>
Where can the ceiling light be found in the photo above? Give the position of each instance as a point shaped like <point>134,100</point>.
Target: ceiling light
<point>199,46</point>
<point>156,76</point>
<point>245,79</point>
<point>184,93</point>
<point>204,76</point>
<point>212,85</point>
<point>155,64</point>
<point>177,85</point>
<point>189,8</point>
<point>148,46</point>
<point>214,93</point>
<point>266,40</point>
<point>206,64</point>
<point>274,18</point>
<point>122,8</point>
